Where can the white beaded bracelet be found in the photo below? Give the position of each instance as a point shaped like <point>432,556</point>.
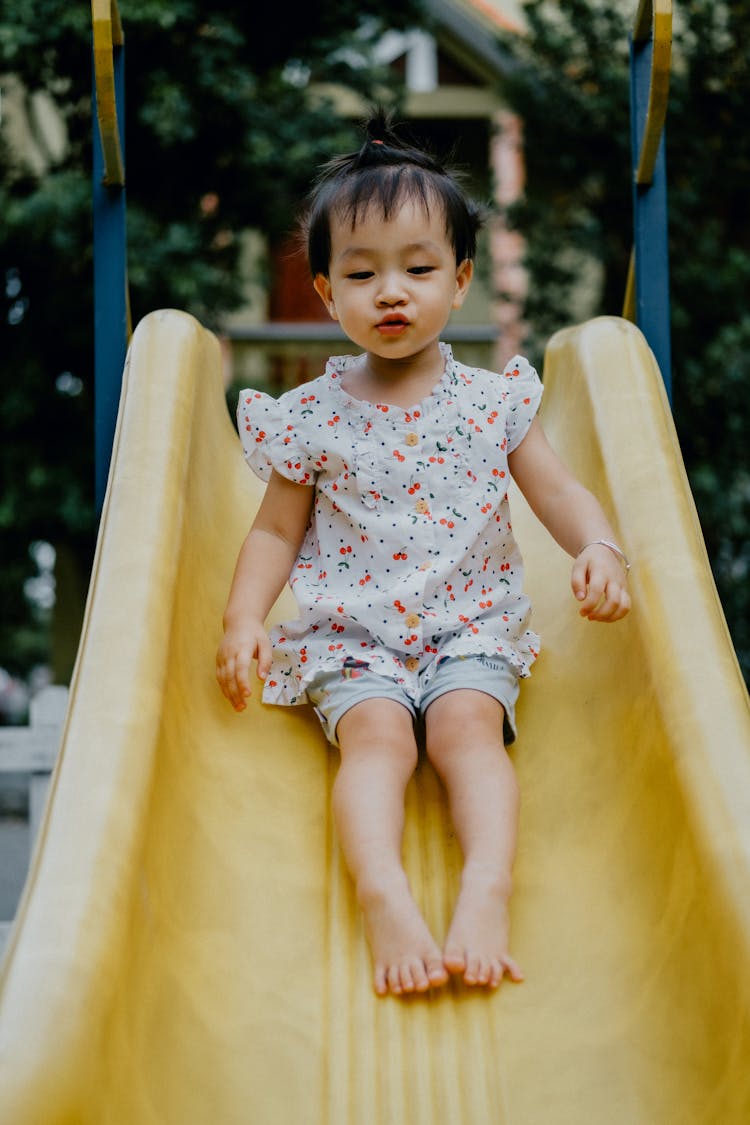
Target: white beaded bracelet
<point>612,546</point>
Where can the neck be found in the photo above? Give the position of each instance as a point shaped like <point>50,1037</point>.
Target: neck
<point>403,377</point>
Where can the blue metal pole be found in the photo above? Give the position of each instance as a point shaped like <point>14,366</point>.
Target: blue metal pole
<point>110,290</point>
<point>650,223</point>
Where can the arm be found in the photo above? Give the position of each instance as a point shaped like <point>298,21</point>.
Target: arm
<point>574,517</point>
<point>265,561</point>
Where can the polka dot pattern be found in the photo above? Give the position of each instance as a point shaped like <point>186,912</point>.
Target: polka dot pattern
<point>410,554</point>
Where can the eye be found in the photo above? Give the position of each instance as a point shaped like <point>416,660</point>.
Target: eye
<point>359,275</point>
<point>420,270</point>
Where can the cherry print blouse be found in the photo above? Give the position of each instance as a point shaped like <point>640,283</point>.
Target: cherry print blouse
<point>409,556</point>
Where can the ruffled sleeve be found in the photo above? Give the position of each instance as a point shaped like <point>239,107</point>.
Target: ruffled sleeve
<point>269,430</point>
<point>523,390</point>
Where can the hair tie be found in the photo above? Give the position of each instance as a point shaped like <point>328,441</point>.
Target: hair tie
<point>377,142</point>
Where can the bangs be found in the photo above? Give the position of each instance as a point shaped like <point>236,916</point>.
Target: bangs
<point>369,188</point>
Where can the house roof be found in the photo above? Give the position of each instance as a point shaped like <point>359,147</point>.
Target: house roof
<point>503,15</point>
<point>475,25</point>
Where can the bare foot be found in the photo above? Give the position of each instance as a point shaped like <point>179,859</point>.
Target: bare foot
<point>406,956</point>
<point>477,942</point>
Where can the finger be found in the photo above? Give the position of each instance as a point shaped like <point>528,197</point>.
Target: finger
<point>594,593</point>
<point>242,675</point>
<point>229,677</point>
<point>232,691</point>
<point>615,606</point>
<point>605,606</point>
<point>223,679</point>
<point>264,656</point>
<point>579,579</point>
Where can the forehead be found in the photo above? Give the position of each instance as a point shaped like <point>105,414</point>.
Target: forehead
<point>411,221</point>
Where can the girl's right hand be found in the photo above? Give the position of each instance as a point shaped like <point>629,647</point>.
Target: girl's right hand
<point>239,647</point>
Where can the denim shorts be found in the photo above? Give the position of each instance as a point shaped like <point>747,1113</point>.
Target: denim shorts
<point>334,693</point>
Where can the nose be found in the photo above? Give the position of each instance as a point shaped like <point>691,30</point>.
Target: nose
<point>391,291</point>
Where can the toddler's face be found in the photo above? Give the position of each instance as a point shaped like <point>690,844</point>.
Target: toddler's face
<point>392,284</point>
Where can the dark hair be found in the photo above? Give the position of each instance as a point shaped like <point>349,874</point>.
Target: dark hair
<point>385,172</point>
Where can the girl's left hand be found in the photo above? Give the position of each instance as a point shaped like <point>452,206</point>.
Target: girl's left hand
<point>600,584</point>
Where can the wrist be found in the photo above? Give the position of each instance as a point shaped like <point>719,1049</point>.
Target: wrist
<point>618,551</point>
<point>241,622</point>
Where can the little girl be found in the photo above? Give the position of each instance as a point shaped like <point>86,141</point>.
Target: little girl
<point>387,511</point>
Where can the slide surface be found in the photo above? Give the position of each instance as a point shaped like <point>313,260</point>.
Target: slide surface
<point>188,950</point>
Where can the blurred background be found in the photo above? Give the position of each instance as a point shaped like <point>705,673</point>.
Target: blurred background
<point>226,122</point>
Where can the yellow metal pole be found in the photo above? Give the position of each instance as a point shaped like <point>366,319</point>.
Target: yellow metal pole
<point>654,20</point>
<point>107,31</point>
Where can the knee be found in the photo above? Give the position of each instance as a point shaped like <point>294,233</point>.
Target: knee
<point>462,722</point>
<point>385,731</point>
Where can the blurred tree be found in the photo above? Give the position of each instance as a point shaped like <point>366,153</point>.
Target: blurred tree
<point>222,134</point>
<point>570,85</point>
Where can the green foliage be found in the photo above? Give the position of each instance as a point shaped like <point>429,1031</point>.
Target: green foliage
<point>222,134</point>
<point>570,84</point>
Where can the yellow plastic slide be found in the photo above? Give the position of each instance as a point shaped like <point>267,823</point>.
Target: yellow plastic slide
<point>188,951</point>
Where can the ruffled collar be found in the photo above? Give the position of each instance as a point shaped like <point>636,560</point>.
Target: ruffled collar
<point>338,365</point>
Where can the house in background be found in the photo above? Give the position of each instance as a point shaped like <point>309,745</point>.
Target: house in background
<point>453,76</point>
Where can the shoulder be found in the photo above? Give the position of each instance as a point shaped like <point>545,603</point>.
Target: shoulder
<point>516,373</point>
<point>519,369</point>
<point>299,402</point>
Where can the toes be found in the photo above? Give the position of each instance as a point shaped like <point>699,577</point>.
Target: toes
<point>513,969</point>
<point>482,971</point>
<point>410,976</point>
<point>420,977</point>
<point>393,977</point>
<point>436,973</point>
<point>497,971</point>
<point>381,980</point>
<point>473,969</point>
<point>454,960</point>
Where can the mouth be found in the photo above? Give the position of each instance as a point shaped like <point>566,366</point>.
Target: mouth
<point>392,325</point>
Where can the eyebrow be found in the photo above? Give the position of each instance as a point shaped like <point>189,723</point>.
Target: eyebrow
<point>412,247</point>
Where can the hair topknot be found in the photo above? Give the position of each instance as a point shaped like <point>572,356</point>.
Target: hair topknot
<point>385,172</point>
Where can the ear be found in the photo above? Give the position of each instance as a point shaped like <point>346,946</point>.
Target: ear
<point>464,274</point>
<point>322,287</point>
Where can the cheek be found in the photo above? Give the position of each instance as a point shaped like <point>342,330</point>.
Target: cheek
<point>351,306</point>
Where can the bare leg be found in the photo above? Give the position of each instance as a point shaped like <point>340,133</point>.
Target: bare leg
<point>464,743</point>
<point>378,757</point>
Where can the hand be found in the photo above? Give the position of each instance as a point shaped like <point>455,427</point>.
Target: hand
<point>600,584</point>
<point>240,645</point>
